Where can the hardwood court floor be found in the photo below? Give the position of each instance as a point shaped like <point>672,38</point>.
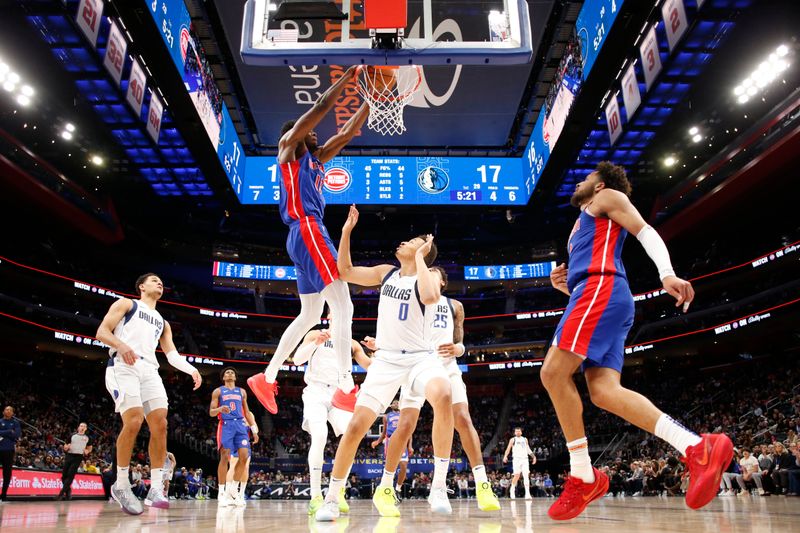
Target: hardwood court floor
<point>723,515</point>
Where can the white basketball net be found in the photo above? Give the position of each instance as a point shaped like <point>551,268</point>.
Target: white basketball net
<point>386,102</point>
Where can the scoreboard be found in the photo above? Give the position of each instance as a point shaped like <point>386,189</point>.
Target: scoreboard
<point>524,271</point>
<point>401,180</point>
<point>248,271</point>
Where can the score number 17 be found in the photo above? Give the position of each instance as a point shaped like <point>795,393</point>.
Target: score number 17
<point>494,169</point>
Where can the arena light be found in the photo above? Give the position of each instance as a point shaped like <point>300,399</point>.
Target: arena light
<point>697,138</point>
<point>69,127</point>
<point>97,160</point>
<point>66,135</point>
<point>694,130</point>
<point>27,90</point>
<point>763,75</point>
<point>669,161</point>
<point>23,100</point>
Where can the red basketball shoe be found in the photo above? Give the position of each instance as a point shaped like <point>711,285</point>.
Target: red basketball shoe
<point>264,391</point>
<point>706,462</point>
<point>577,495</point>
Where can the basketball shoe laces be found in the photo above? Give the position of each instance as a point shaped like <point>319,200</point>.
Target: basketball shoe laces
<point>573,493</point>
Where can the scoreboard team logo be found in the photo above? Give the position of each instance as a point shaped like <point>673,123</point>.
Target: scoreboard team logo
<point>433,180</point>
<point>280,272</point>
<point>337,180</point>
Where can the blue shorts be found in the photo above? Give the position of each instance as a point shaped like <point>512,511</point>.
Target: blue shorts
<point>596,321</point>
<point>313,254</point>
<point>233,434</point>
<point>403,458</point>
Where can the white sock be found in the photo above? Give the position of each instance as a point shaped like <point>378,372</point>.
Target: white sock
<point>242,486</point>
<point>479,472</point>
<point>440,467</point>
<point>316,482</point>
<point>222,491</point>
<point>387,480</point>
<point>123,481</point>
<point>157,479</point>
<point>334,489</point>
<point>398,488</point>
<point>675,434</point>
<point>580,464</point>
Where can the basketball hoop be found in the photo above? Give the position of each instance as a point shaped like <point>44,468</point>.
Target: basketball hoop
<point>387,90</point>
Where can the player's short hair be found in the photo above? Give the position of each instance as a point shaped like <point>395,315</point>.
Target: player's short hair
<point>289,124</point>
<point>431,256</point>
<point>517,428</point>
<point>222,372</point>
<point>141,279</point>
<point>442,273</point>
<point>614,177</point>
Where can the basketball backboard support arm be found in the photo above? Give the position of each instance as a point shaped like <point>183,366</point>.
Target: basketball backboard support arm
<point>261,47</point>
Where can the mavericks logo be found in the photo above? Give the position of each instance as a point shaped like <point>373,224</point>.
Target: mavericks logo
<point>337,179</point>
<point>433,180</point>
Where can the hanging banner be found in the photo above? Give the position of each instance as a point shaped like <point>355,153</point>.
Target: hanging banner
<point>136,86</point>
<point>117,47</point>
<point>154,116</point>
<point>674,13</point>
<point>613,119</point>
<point>651,61</point>
<point>90,15</point>
<point>631,96</point>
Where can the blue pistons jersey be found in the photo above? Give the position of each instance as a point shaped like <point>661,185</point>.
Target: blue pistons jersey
<point>392,419</point>
<point>301,189</point>
<point>231,398</point>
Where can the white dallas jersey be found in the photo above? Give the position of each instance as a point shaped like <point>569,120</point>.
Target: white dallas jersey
<point>322,367</point>
<point>439,322</point>
<point>401,315</point>
<point>141,329</point>
<point>520,448</point>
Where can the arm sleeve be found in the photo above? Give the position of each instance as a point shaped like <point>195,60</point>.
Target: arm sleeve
<point>304,353</point>
<point>654,246</point>
<point>178,361</point>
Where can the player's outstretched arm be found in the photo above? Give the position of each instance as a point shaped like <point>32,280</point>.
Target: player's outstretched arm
<point>312,117</point>
<point>105,333</point>
<point>508,450</point>
<point>248,416</point>
<point>428,284</point>
<point>312,339</point>
<point>359,355</point>
<point>364,276</point>
<point>455,348</point>
<point>618,207</point>
<point>177,360</point>
<point>335,144</point>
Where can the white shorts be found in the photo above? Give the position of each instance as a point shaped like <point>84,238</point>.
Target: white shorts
<point>390,371</point>
<point>411,400</point>
<point>318,409</point>
<point>137,385</point>
<point>521,465</point>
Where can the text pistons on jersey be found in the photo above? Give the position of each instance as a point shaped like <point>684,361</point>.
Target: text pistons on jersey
<point>395,292</point>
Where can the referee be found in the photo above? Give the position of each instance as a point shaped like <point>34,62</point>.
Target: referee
<point>75,449</point>
<point>10,432</point>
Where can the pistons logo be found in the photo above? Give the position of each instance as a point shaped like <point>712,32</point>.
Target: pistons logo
<point>280,272</point>
<point>185,36</point>
<point>337,180</point>
<point>244,442</point>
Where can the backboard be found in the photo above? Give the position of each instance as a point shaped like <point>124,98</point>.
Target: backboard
<point>438,32</point>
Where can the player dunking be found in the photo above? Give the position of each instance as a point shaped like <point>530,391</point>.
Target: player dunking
<point>318,410</point>
<point>444,327</point>
<point>133,329</point>
<point>229,404</point>
<point>405,357</point>
<point>592,334</point>
<point>391,420</point>
<point>302,207</point>
<point>520,454</point>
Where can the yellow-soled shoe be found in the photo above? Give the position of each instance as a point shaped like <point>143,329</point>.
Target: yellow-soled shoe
<point>385,502</point>
<point>344,507</point>
<point>315,503</point>
<point>487,501</point>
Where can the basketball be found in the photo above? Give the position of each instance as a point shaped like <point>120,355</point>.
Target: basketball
<point>383,78</point>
